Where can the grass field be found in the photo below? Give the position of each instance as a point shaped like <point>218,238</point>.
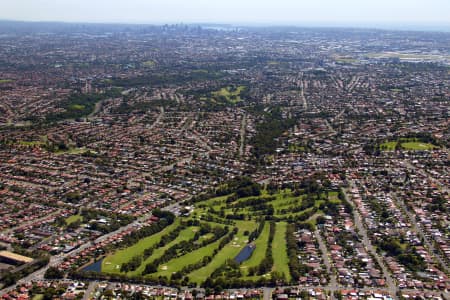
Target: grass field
<point>407,144</point>
<point>178,263</point>
<point>230,251</point>
<point>409,56</point>
<point>31,143</point>
<point>77,107</point>
<point>73,151</point>
<point>73,219</point>
<point>149,63</point>
<point>111,262</point>
<point>417,146</point>
<point>279,250</point>
<point>346,59</point>
<point>232,95</point>
<point>184,235</point>
<point>218,213</point>
<point>260,250</point>
<point>5,80</point>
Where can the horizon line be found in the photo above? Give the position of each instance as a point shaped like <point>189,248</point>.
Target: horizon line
<point>393,26</point>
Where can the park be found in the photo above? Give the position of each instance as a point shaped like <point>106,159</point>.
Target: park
<point>238,238</point>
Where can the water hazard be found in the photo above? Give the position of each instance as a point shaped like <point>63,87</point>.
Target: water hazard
<point>94,267</point>
<point>245,253</point>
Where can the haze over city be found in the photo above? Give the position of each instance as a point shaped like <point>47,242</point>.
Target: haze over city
<point>377,13</point>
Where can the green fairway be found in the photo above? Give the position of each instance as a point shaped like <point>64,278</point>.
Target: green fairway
<point>112,263</point>
<point>230,94</point>
<point>184,235</point>
<point>260,250</point>
<point>178,263</point>
<point>230,251</point>
<point>244,214</point>
<point>279,250</point>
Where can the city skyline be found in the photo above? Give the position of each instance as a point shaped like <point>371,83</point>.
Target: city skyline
<point>416,14</point>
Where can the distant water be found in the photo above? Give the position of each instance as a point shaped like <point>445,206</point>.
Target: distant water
<point>245,253</point>
<point>94,267</point>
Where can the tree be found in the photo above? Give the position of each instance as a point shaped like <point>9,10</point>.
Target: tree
<point>53,273</point>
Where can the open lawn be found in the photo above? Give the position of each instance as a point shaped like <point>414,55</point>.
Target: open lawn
<point>279,250</point>
<point>178,263</point>
<point>112,263</point>
<point>31,143</point>
<point>407,144</point>
<point>389,146</point>
<point>230,251</point>
<point>417,146</point>
<point>76,107</point>
<point>231,94</point>
<point>184,235</point>
<point>73,151</point>
<point>215,211</point>
<point>73,219</point>
<point>260,251</point>
<point>149,63</point>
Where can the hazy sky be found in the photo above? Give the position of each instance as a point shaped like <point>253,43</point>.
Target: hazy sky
<point>231,11</point>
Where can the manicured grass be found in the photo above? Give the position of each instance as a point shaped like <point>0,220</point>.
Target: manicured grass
<point>296,148</point>
<point>333,197</point>
<point>232,95</point>
<point>346,60</point>
<point>178,263</point>
<point>76,107</point>
<point>73,219</point>
<point>407,144</point>
<point>284,199</point>
<point>73,151</point>
<point>228,252</point>
<point>184,235</point>
<point>417,146</point>
<point>260,251</point>
<point>31,143</point>
<point>38,297</point>
<point>389,146</point>
<point>110,263</point>
<point>297,214</point>
<point>279,250</point>
<point>5,80</point>
<point>148,63</point>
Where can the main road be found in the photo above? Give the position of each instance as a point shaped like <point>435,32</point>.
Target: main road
<point>58,259</point>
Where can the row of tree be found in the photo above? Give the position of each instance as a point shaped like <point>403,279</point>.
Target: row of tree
<point>184,247</point>
<point>205,260</point>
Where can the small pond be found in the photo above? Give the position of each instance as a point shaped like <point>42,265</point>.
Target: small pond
<point>245,253</point>
<point>94,267</point>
